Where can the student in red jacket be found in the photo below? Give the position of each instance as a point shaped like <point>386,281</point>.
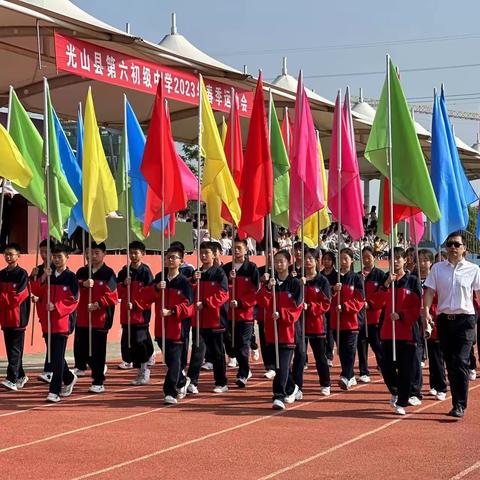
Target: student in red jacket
<point>177,310</point>
<point>317,303</point>
<point>62,308</point>
<point>244,274</point>
<point>347,302</point>
<point>141,346</point>
<point>103,285</point>
<point>283,310</point>
<point>369,334</point>
<point>398,375</point>
<point>14,314</point>
<point>213,286</point>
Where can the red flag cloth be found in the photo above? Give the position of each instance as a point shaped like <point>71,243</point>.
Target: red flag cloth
<point>233,130</point>
<point>287,135</point>
<point>417,228</point>
<point>352,211</point>
<point>256,187</point>
<point>160,167</point>
<point>305,170</point>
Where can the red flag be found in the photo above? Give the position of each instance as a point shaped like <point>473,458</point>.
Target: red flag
<point>256,188</point>
<point>160,167</point>
<point>236,149</point>
<point>287,135</point>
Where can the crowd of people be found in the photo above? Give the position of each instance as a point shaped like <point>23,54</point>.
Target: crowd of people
<point>204,316</point>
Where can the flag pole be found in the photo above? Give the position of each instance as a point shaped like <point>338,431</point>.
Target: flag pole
<point>167,227</point>
<point>199,168</point>
<point>302,232</point>
<point>317,133</point>
<point>84,249</point>
<point>46,153</point>
<point>339,207</point>
<point>127,218</point>
<point>36,277</point>
<point>390,178</point>
<point>232,167</point>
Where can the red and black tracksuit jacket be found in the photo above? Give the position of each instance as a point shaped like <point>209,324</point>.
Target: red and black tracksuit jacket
<point>104,292</point>
<point>14,298</point>
<point>289,305</point>
<point>408,294</point>
<point>352,300</point>
<point>372,282</point>
<point>64,296</point>
<point>260,311</point>
<point>318,296</point>
<point>246,287</point>
<point>213,294</point>
<point>179,297</point>
<point>140,277</point>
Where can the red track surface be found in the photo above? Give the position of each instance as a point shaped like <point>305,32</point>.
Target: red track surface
<point>128,433</point>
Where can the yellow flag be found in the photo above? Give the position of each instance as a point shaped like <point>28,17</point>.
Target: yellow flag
<point>224,131</point>
<point>99,192</point>
<point>218,185</point>
<point>12,165</point>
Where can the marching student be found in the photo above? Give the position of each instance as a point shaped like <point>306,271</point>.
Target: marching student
<point>213,294</point>
<point>328,263</point>
<point>436,363</point>
<point>347,302</point>
<point>317,303</point>
<point>62,307</point>
<point>141,346</point>
<point>177,311</point>
<point>296,267</point>
<point>246,277</point>
<point>14,314</point>
<point>288,308</point>
<point>373,277</point>
<point>103,285</point>
<point>398,376</point>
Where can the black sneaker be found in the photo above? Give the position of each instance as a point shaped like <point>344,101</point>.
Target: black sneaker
<point>456,412</point>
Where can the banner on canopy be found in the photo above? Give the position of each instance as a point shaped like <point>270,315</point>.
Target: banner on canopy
<point>109,66</point>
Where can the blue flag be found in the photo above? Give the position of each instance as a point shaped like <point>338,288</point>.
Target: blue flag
<point>445,163</point>
<point>72,171</point>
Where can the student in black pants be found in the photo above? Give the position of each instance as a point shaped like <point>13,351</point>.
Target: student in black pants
<point>328,262</point>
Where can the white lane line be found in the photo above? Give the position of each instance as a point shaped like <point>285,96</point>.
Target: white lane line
<point>465,472</point>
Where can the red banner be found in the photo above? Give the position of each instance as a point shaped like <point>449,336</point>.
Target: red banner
<point>108,66</point>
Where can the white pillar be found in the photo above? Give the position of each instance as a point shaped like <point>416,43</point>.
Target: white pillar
<point>366,195</point>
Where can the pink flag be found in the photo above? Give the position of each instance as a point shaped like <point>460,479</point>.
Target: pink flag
<point>417,228</point>
<point>189,180</point>
<point>352,210</point>
<point>304,168</point>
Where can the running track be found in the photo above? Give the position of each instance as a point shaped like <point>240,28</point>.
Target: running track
<point>128,433</point>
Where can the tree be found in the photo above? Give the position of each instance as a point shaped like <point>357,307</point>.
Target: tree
<point>190,157</point>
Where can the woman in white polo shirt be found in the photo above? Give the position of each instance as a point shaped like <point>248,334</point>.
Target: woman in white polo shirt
<point>454,280</point>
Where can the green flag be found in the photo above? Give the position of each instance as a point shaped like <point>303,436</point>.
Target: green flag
<point>62,198</point>
<point>411,182</point>
<point>281,167</point>
<point>29,142</point>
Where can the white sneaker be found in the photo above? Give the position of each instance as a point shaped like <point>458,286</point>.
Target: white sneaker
<point>125,366</point>
<point>414,401</point>
<point>270,374</point>
<point>291,398</point>
<point>21,382</point>
<point>364,379</point>
<point>278,405</point>
<point>182,392</point>
<point>472,375</point>
<point>330,363</point>
<point>193,389</point>
<point>169,400</point>
<point>422,364</point>
<point>45,377</point>
<point>96,388</point>
<point>255,355</point>
<point>325,391</point>
<point>242,381</point>
<point>53,397</point>
<point>143,377</point>
<point>432,392</point>
<point>305,367</point>
<point>207,366</point>
<point>343,383</point>
<point>299,395</point>
<point>152,360</point>
<point>400,410</point>
<point>393,401</point>
<point>10,385</point>
<point>78,372</point>
<point>68,389</point>
<point>232,363</point>
<point>441,396</point>
<point>352,382</point>
<point>220,389</point>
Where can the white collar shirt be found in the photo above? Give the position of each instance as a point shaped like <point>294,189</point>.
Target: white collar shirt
<point>455,286</point>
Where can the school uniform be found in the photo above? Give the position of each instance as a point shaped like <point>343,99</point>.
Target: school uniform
<point>318,298</point>
<point>141,346</point>
<point>14,315</point>
<point>398,376</point>
<point>64,297</point>
<point>417,381</point>
<point>289,305</point>
<point>352,300</point>
<point>332,278</point>
<point>179,299</point>
<point>246,286</point>
<point>104,292</point>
